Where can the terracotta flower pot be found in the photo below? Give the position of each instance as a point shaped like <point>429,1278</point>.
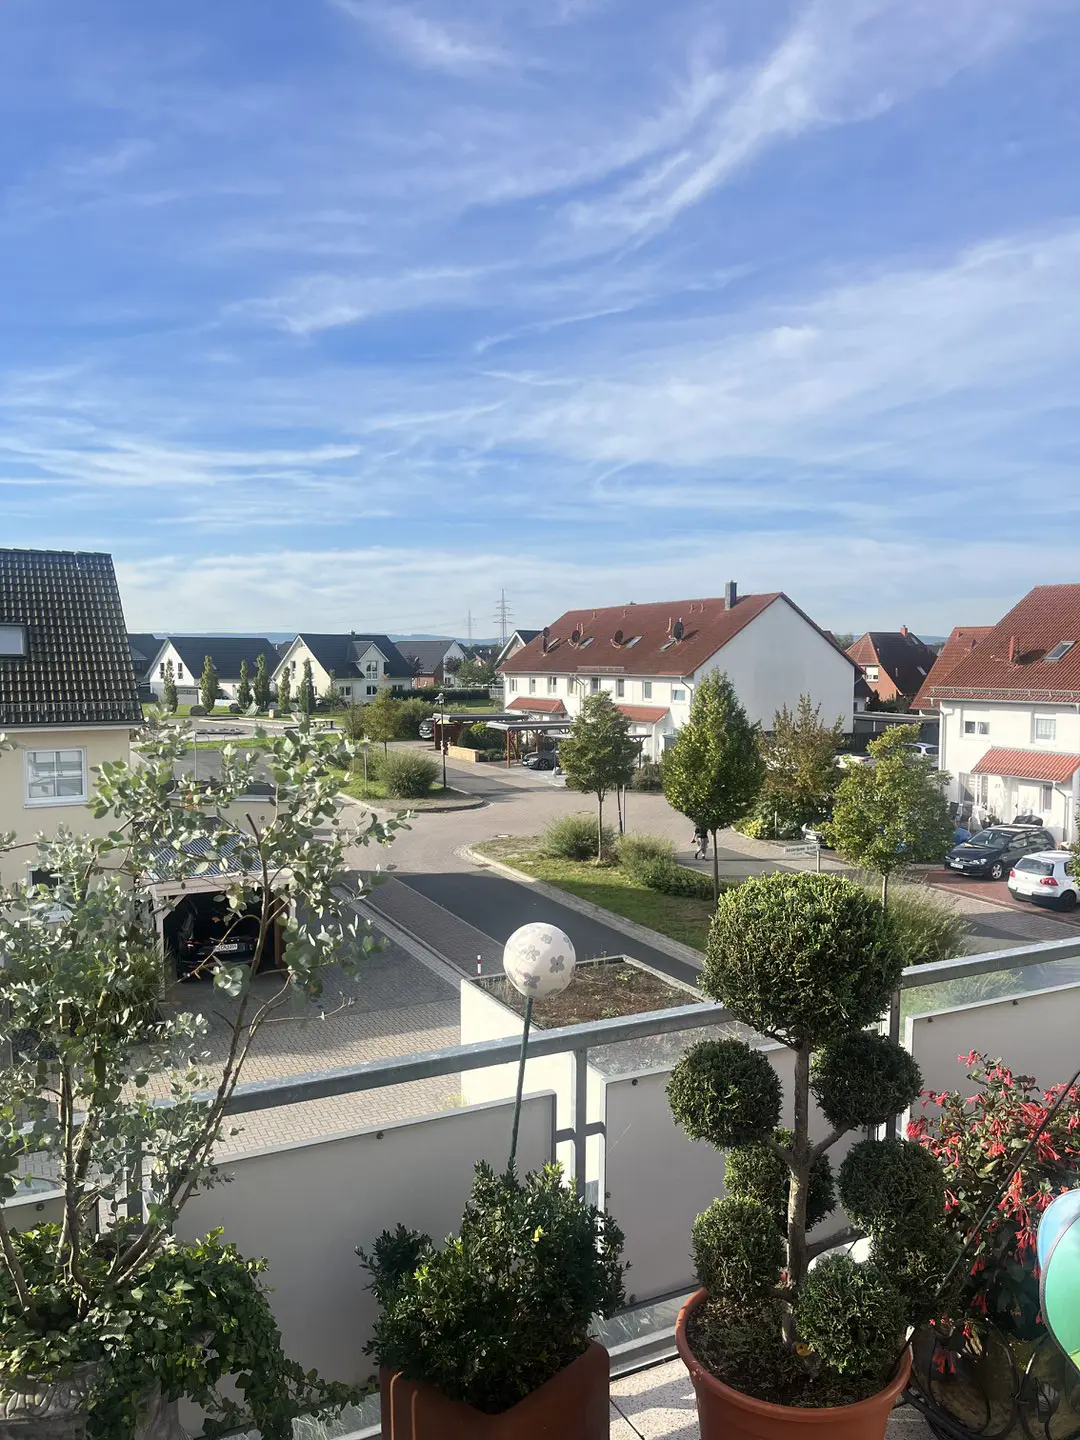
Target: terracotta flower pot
<point>727,1414</point>
<point>572,1405</point>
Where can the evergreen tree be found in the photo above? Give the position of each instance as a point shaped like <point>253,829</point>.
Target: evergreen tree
<point>208,684</point>
<point>243,690</point>
<point>382,719</point>
<point>892,812</point>
<point>168,690</point>
<point>261,689</point>
<point>598,755</point>
<point>714,771</point>
<point>284,691</point>
<point>305,696</point>
<point>801,772</point>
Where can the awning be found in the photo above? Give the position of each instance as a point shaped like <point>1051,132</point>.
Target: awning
<point>644,714</point>
<point>539,705</point>
<point>1029,765</point>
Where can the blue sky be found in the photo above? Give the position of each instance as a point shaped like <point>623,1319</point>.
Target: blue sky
<point>349,313</point>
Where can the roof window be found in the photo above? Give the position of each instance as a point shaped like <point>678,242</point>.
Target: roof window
<point>1061,649</point>
<point>12,642</point>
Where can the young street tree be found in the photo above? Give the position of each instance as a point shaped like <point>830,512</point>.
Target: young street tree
<point>475,671</point>
<point>305,696</point>
<point>208,685</point>
<point>598,755</point>
<point>284,691</point>
<point>800,763</point>
<point>243,690</point>
<point>168,690</point>
<point>261,689</point>
<point>891,813</point>
<point>714,771</point>
<point>382,719</point>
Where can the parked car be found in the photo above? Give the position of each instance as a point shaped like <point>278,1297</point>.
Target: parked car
<point>992,852</point>
<point>924,750</point>
<point>427,729</point>
<point>1046,878</point>
<point>540,760</point>
<point>209,932</point>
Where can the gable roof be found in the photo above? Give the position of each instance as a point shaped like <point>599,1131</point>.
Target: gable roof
<point>957,647</point>
<point>78,668</point>
<point>647,646</point>
<point>539,704</point>
<point>524,636</point>
<point>1046,617</point>
<point>226,651</point>
<point>340,654</point>
<point>900,653</point>
<point>144,649</point>
<point>428,655</point>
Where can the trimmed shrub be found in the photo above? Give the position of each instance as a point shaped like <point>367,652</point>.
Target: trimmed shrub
<point>726,1093</point>
<point>574,838</point>
<point>197,710</point>
<point>234,708</point>
<point>648,777</point>
<point>757,1172</point>
<point>924,930</point>
<point>862,1079</point>
<point>892,1189</point>
<point>632,849</point>
<point>664,874</point>
<point>737,1250</point>
<point>407,775</point>
<point>853,1317</point>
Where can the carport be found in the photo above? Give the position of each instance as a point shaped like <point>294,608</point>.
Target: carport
<point>515,728</point>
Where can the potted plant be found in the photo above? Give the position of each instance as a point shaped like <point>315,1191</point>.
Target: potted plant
<point>487,1338</point>
<point>989,1365</point>
<point>105,1319</point>
<point>773,1346</point>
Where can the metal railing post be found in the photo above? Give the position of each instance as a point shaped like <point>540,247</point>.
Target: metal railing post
<point>581,1111</point>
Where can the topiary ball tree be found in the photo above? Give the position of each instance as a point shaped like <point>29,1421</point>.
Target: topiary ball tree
<point>810,961</point>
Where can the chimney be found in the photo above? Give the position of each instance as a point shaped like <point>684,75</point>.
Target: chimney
<point>1012,649</point>
<point>731,595</point>
<point>670,623</point>
<point>904,631</point>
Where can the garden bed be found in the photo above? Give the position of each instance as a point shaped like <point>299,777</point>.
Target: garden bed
<point>600,990</point>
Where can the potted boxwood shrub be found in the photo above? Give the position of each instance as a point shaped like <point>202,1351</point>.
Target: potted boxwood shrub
<point>487,1338</point>
<point>774,1346</point>
<point>105,1319</point>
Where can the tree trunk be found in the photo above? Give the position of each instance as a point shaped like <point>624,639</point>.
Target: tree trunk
<point>800,1172</point>
<point>599,827</point>
<point>618,807</point>
<point>715,872</point>
<point>884,891</point>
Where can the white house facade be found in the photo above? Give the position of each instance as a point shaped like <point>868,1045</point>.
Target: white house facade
<point>187,654</point>
<point>355,667</point>
<point>1010,715</point>
<point>650,659</point>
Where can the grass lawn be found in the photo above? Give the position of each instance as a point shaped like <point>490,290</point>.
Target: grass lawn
<point>679,917</point>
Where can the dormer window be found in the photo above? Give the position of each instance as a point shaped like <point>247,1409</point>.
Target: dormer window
<point>1061,649</point>
<point>13,642</point>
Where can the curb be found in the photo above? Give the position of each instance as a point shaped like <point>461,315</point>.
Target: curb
<point>630,928</point>
<point>382,811</point>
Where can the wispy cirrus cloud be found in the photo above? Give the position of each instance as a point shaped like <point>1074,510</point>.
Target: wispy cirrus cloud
<point>431,43</point>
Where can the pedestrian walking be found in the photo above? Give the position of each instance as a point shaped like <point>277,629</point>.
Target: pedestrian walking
<point>701,844</point>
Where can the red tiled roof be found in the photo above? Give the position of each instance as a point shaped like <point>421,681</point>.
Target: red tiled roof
<point>1044,618</point>
<point>541,705</point>
<point>644,714</point>
<point>902,655</point>
<point>1028,765</point>
<point>957,647</point>
<point>708,625</point>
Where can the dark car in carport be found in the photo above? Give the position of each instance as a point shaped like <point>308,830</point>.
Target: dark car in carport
<point>991,853</point>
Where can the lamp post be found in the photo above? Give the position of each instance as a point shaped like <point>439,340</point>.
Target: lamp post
<point>539,961</point>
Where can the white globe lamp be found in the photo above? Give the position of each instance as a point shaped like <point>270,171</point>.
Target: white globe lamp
<point>539,962</point>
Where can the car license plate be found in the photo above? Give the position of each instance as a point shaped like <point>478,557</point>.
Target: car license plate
<point>228,946</point>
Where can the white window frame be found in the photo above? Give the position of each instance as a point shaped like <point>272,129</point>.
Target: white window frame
<point>41,802</point>
<point>646,689</point>
<point>553,685</point>
<point>372,689</point>
<point>532,684</point>
<point>594,684</point>
<point>511,684</point>
<point>180,670</point>
<point>872,672</point>
<point>1046,799</point>
<point>1044,720</point>
<point>678,695</point>
<point>620,689</point>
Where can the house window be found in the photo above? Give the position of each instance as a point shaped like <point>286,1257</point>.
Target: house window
<point>620,687</point>
<point>371,669</point>
<point>553,684</point>
<point>511,685</point>
<point>871,672</point>
<point>677,695</point>
<point>161,670</point>
<point>55,777</point>
<point>12,641</point>
<point>594,685</point>
<point>646,689</point>
<point>532,684</point>
<point>294,667</point>
<point>346,690</point>
<point>1046,798</point>
<point>976,727</point>
<point>964,790</point>
<point>1045,727</point>
<point>372,689</point>
<point>180,672</point>
<point>982,788</point>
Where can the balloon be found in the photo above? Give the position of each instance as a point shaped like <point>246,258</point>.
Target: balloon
<point>1058,1250</point>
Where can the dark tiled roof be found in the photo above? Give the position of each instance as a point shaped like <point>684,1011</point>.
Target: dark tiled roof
<point>226,651</point>
<point>707,626</point>
<point>902,655</point>
<point>78,670</point>
<point>1046,617</point>
<point>144,649</point>
<point>428,655</point>
<point>339,653</point>
<point>957,647</point>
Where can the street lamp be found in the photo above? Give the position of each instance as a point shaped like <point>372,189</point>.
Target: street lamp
<point>539,961</point>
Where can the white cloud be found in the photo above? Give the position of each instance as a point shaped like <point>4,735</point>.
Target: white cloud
<point>429,43</point>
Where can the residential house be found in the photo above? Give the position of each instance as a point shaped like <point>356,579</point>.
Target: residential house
<point>429,659</point>
<point>1010,713</point>
<point>353,666</point>
<point>188,655</point>
<point>67,694</point>
<point>518,640</point>
<point>957,647</point>
<point>650,658</point>
<point>143,650</point>
<point>894,664</point>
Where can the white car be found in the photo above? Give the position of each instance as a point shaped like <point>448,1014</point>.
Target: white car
<point>1046,878</point>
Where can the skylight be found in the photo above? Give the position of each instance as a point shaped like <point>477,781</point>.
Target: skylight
<point>632,641</point>
<point>586,642</point>
<point>1061,648</point>
<point>12,641</point>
